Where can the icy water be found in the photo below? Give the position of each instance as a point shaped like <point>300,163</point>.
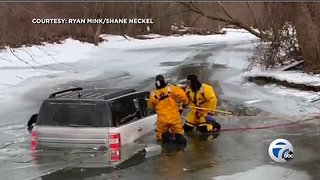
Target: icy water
<point>228,155</point>
<point>207,156</point>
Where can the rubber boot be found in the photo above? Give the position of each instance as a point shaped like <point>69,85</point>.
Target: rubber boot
<point>216,125</point>
<point>180,139</point>
<point>203,129</point>
<point>167,137</point>
<point>187,128</point>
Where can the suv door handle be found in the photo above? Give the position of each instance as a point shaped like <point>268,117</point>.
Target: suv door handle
<point>140,129</point>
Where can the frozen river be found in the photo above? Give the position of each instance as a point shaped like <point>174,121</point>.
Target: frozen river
<point>240,153</point>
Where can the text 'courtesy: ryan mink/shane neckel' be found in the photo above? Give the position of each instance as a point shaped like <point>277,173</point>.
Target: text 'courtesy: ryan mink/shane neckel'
<point>92,21</point>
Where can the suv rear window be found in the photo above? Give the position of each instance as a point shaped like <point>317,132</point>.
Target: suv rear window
<point>74,114</point>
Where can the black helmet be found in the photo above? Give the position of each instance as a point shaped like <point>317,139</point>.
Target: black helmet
<point>160,82</point>
<point>195,83</point>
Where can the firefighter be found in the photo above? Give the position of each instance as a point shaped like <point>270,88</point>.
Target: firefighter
<point>164,101</point>
<point>202,101</point>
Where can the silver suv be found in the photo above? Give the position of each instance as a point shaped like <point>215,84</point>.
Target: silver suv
<point>109,118</point>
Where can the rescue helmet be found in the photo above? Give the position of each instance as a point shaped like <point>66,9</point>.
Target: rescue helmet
<point>160,82</point>
<point>194,82</point>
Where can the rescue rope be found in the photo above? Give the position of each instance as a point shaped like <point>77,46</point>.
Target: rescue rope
<point>212,110</point>
<point>208,109</point>
<point>268,126</point>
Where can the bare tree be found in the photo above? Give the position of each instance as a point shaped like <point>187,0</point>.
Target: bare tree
<point>305,20</point>
<point>307,24</point>
<point>98,11</point>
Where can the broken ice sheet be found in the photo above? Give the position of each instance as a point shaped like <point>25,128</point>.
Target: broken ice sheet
<point>253,101</point>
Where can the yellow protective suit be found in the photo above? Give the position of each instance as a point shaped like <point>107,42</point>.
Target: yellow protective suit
<point>203,98</point>
<point>164,102</point>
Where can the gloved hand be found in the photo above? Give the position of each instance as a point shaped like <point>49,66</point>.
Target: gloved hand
<point>198,114</point>
<point>31,127</point>
<point>184,106</point>
<point>180,111</point>
<point>210,119</point>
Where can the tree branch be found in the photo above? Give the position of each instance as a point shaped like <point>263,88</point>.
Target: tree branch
<point>194,21</point>
<point>22,60</point>
<point>177,13</point>
<point>37,61</point>
<point>226,13</point>
<point>8,60</point>
<point>232,21</point>
<point>256,24</point>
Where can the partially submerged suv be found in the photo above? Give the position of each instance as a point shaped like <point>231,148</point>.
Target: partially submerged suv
<point>105,117</point>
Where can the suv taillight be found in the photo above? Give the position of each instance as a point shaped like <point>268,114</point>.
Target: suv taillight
<point>115,155</point>
<point>33,139</point>
<point>114,146</point>
<point>114,140</point>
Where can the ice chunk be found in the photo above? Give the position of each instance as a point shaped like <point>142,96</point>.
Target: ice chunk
<point>152,150</point>
<point>252,101</point>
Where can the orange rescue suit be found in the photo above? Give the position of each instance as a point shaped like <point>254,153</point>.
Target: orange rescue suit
<point>164,102</point>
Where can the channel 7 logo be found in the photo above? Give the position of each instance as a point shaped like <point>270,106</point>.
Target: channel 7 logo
<point>281,150</point>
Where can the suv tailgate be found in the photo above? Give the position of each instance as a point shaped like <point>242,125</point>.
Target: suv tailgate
<point>73,135</point>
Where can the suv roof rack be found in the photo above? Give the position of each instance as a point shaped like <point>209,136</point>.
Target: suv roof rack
<point>63,91</point>
<point>105,94</point>
<point>119,93</point>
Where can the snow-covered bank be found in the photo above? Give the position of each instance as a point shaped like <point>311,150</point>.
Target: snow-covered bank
<point>20,64</point>
<point>119,42</point>
<point>298,84</point>
<point>289,76</point>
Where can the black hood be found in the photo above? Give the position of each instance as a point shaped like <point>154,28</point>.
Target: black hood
<point>195,83</point>
<point>160,82</point>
